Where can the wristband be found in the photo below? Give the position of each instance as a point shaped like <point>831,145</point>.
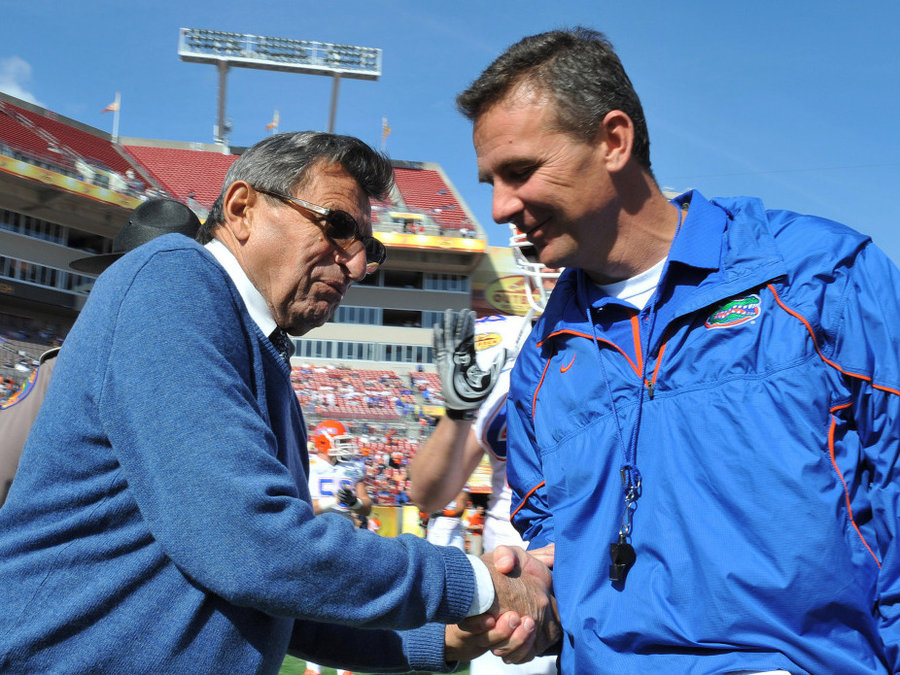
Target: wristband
<point>357,505</point>
<point>465,415</point>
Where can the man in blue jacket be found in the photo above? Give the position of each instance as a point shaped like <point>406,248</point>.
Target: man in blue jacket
<point>706,420</point>
<point>160,520</point>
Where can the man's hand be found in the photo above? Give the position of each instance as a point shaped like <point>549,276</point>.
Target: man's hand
<point>463,384</point>
<point>523,584</point>
<point>509,636</point>
<point>346,497</point>
<point>506,557</point>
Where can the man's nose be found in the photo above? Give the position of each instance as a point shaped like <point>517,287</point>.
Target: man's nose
<point>505,203</point>
<point>356,263</point>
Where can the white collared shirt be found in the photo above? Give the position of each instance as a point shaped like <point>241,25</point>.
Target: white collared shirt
<point>256,304</point>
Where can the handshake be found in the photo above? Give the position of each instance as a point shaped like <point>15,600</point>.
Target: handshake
<point>523,621</point>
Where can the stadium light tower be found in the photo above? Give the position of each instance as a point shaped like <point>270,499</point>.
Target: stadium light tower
<point>272,53</point>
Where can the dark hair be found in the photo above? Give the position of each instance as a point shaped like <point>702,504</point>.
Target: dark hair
<point>579,69</point>
<point>281,162</point>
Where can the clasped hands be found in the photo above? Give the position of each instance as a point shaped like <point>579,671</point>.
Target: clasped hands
<point>523,621</point>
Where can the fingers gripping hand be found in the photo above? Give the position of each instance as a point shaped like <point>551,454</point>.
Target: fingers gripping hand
<point>505,558</point>
<point>508,636</point>
<point>526,587</point>
<point>464,384</point>
<point>520,646</point>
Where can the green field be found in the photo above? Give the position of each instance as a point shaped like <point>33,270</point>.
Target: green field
<point>292,666</point>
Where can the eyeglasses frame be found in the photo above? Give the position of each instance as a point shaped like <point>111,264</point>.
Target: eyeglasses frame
<point>371,245</point>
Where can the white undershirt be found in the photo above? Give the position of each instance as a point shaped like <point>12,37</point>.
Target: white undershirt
<point>638,289</point>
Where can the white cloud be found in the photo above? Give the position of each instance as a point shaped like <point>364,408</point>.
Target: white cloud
<point>15,77</point>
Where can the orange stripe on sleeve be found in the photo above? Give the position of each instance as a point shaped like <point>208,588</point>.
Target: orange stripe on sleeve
<point>831,429</point>
<point>525,499</point>
<point>833,424</point>
<point>639,354</point>
<point>812,335</point>
<point>534,398</point>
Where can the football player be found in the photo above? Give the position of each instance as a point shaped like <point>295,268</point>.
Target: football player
<point>336,484</point>
<point>336,472</point>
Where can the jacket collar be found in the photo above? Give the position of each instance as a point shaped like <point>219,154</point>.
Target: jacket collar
<point>722,248</point>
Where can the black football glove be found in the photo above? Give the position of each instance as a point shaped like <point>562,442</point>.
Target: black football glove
<point>347,497</point>
<point>463,384</point>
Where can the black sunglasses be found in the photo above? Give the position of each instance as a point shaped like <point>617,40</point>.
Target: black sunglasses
<point>340,228</point>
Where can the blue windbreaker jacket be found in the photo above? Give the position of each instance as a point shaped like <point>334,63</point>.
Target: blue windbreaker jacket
<point>757,399</point>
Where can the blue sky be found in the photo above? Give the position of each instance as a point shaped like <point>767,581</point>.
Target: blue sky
<point>793,102</point>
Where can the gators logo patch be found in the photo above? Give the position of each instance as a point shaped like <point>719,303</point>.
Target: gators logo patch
<point>735,312</point>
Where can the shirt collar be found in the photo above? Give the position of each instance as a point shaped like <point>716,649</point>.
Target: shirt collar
<point>256,304</point>
<point>699,240</point>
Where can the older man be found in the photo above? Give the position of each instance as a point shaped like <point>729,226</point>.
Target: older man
<point>706,420</point>
<point>161,521</point>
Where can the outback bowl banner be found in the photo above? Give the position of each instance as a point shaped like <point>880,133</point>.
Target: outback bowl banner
<point>497,285</point>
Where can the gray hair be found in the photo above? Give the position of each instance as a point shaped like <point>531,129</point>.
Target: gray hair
<point>578,69</point>
<point>281,163</point>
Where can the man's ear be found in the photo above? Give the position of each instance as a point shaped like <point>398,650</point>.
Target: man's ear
<point>616,134</point>
<point>237,208</point>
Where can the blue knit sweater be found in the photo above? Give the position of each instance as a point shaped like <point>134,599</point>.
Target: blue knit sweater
<point>160,521</point>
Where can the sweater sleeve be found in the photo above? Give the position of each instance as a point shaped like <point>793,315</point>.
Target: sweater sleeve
<point>179,401</point>
<point>385,651</point>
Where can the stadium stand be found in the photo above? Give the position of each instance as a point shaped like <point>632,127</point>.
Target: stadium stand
<point>425,189</point>
<point>185,174</point>
<point>353,394</point>
<point>23,141</point>
<point>94,149</point>
<point>384,413</point>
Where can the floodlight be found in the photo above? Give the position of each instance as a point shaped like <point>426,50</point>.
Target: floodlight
<point>275,53</point>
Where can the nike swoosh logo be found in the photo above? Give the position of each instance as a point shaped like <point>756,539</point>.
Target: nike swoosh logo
<point>563,369</point>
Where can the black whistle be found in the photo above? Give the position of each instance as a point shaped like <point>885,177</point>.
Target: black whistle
<point>622,555</point>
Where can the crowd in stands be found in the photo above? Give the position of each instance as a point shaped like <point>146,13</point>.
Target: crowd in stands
<point>386,414</point>
<point>428,385</point>
<point>340,392</point>
<point>427,221</point>
<point>21,344</point>
<point>386,457</point>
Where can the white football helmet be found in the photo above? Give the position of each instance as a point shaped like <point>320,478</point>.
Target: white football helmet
<point>533,271</point>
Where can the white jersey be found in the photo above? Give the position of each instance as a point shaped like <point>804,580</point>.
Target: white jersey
<point>446,530</point>
<point>325,479</point>
<point>493,333</point>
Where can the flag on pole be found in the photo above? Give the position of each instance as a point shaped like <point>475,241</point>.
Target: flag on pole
<point>112,107</point>
<point>274,123</point>
<point>385,132</point>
